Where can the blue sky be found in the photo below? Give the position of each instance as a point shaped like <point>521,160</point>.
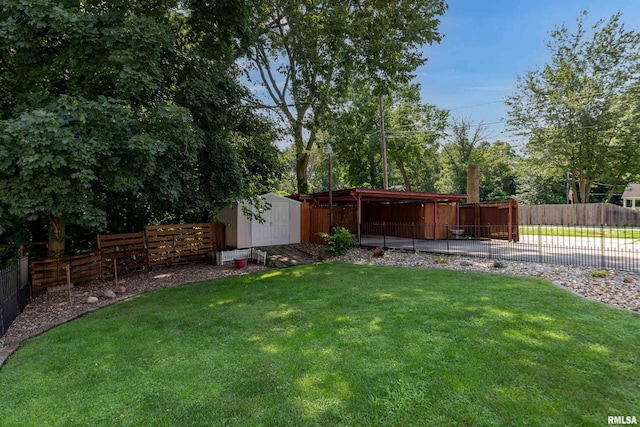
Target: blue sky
<point>487,43</point>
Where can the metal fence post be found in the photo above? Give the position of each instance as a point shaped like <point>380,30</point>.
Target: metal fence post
<point>413,236</point>
<point>447,237</point>
<point>539,243</point>
<point>603,260</point>
<point>384,235</point>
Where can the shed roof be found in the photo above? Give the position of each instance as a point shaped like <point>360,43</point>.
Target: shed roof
<point>631,192</point>
<point>382,196</point>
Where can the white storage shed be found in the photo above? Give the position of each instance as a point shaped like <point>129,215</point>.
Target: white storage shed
<point>281,225</point>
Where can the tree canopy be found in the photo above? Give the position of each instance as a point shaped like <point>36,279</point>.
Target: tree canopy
<point>307,54</point>
<point>114,114</point>
<point>581,110</point>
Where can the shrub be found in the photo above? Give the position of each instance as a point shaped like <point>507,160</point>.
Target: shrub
<point>599,273</point>
<point>341,241</point>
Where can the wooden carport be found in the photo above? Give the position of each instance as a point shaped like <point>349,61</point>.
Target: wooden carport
<point>354,206</point>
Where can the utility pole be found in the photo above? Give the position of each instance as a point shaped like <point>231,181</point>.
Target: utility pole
<point>329,150</point>
<point>383,140</point>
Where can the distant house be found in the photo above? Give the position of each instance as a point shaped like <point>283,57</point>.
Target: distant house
<point>631,194</point>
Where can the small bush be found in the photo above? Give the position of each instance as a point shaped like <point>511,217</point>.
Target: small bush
<point>440,260</point>
<point>599,273</point>
<point>341,241</point>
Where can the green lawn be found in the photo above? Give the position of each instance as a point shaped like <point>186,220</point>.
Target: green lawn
<point>334,344</point>
<point>569,231</point>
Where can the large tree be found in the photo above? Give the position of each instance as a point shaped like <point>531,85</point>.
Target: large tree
<point>354,133</point>
<point>459,150</point>
<point>537,183</point>
<point>111,116</point>
<point>413,130</point>
<point>580,111</point>
<point>307,54</point>
<point>498,163</point>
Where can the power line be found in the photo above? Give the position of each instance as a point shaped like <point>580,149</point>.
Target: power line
<point>476,105</point>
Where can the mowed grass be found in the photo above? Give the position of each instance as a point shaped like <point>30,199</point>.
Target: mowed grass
<point>569,231</point>
<point>334,344</point>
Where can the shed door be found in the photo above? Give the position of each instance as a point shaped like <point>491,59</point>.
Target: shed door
<point>275,229</point>
<point>280,224</point>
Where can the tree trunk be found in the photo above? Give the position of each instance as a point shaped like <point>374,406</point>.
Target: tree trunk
<point>473,184</point>
<point>372,171</point>
<point>302,155</point>
<point>585,190</point>
<point>56,237</point>
<point>405,178</point>
<point>302,181</point>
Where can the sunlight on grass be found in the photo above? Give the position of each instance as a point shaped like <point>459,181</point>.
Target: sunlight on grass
<point>321,392</point>
<point>282,313</point>
<point>537,318</point>
<point>271,348</point>
<point>222,302</point>
<point>556,335</point>
<point>385,295</point>
<point>375,324</point>
<point>271,274</point>
<point>498,312</point>
<point>598,349</point>
<point>333,344</point>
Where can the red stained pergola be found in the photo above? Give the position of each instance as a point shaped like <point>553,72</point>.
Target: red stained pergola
<point>359,195</point>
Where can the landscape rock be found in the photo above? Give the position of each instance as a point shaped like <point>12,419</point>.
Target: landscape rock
<point>109,294</point>
<point>122,289</point>
<point>499,263</point>
<point>466,264</point>
<point>92,300</point>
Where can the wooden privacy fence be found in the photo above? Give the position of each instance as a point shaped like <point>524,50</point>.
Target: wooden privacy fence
<point>130,253</point>
<point>125,252</point>
<point>51,272</point>
<point>582,214</point>
<point>318,223</point>
<point>171,244</point>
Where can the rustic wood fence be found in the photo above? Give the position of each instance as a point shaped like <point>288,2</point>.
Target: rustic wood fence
<point>123,254</point>
<point>51,272</point>
<point>584,214</point>
<point>130,253</point>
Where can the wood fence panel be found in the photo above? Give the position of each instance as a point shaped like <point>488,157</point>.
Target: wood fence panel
<point>305,222</point>
<point>218,230</point>
<point>132,253</point>
<point>585,214</point>
<point>50,272</point>
<point>129,251</point>
<point>318,223</point>
<point>346,216</point>
<point>175,243</point>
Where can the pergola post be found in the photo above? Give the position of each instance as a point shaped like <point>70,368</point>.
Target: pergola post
<point>359,216</point>
<point>435,219</point>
